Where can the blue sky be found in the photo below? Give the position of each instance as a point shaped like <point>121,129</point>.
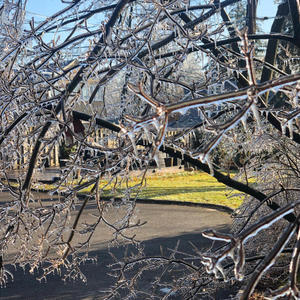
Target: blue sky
<point>266,8</point>
<point>44,8</point>
<point>40,9</point>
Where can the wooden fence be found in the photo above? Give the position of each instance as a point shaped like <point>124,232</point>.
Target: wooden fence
<point>53,154</point>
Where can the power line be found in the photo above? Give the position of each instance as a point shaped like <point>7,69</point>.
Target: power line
<point>35,14</point>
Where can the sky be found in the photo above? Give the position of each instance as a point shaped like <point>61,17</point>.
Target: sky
<point>45,8</point>
<point>266,8</point>
<point>40,9</point>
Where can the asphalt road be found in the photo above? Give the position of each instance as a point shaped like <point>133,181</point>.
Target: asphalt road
<point>166,224</point>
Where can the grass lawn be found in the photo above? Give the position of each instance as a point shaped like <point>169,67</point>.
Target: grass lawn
<point>188,186</point>
<point>196,186</point>
<point>193,186</point>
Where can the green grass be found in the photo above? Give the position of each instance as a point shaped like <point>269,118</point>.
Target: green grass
<point>196,187</point>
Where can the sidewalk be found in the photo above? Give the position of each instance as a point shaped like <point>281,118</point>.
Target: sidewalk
<point>50,175</point>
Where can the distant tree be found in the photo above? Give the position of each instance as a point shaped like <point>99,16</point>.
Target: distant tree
<point>141,50</point>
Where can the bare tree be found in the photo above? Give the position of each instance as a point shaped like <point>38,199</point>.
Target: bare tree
<point>127,74</point>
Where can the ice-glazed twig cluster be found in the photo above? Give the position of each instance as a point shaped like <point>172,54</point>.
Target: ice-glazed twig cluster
<point>235,250</point>
<point>99,89</point>
<point>246,99</point>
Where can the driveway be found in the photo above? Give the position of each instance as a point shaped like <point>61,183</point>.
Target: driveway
<point>166,224</point>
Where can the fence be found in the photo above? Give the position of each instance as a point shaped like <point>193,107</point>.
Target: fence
<point>52,155</point>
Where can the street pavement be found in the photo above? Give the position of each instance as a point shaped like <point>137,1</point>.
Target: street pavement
<point>166,224</point>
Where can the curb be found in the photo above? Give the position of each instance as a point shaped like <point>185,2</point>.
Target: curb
<point>218,207</point>
<point>222,208</point>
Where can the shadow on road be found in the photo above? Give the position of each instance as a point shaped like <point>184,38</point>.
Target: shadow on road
<point>26,287</point>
